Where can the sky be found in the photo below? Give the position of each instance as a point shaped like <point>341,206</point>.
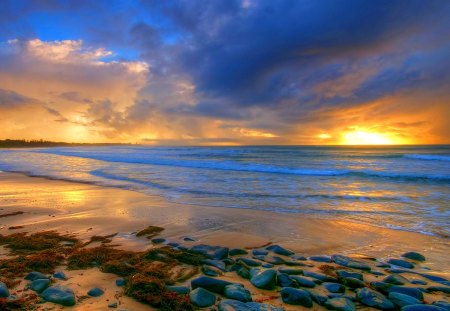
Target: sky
<point>226,72</point>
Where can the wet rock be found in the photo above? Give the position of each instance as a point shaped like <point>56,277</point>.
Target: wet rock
<point>349,262</point>
<point>259,252</point>
<point>275,260</point>
<point>413,292</point>
<point>443,289</point>
<point>381,286</point>
<point>213,285</point>
<point>210,271</point>
<point>249,262</point>
<point>174,245</point>
<point>202,298</point>
<point>158,241</point>
<point>294,296</point>
<point>422,308</point>
<point>212,252</point>
<point>400,263</point>
<point>377,273</point>
<point>237,292</point>
<point>267,265</point>
<point>265,280</point>
<point>434,278</point>
<point>303,282</point>
<point>320,258</point>
<point>320,276</point>
<point>442,304</point>
<point>188,239</point>
<point>39,285</point>
<point>348,296</point>
<point>334,287</point>
<point>279,250</point>
<point>120,282</point>
<point>4,292</point>
<point>113,305</point>
<point>237,251</point>
<point>395,279</point>
<point>340,304</point>
<point>215,263</point>
<point>255,306</point>
<point>419,282</point>
<point>244,273</point>
<point>182,290</point>
<point>373,299</point>
<point>353,282</point>
<point>290,271</point>
<point>317,296</point>
<point>285,281</point>
<point>294,263</point>
<point>401,300</point>
<point>60,295</point>
<point>95,292</point>
<point>346,274</point>
<point>60,275</point>
<point>299,257</point>
<point>414,256</point>
<point>35,275</point>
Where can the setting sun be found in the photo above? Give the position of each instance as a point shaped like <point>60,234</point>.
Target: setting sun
<point>366,138</point>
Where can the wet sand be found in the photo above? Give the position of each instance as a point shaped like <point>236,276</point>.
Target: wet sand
<point>86,210</point>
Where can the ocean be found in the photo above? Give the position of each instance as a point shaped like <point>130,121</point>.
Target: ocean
<point>399,187</point>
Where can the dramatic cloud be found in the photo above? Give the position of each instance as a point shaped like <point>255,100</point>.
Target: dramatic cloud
<point>227,72</point>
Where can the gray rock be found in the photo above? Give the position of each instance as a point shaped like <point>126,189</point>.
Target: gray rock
<point>346,274</point>
<point>381,286</point>
<point>413,292</point>
<point>395,279</point>
<point>275,260</point>
<point>350,296</point>
<point>202,298</point>
<point>95,292</point>
<point>320,258</point>
<point>443,289</point>
<point>213,285</point>
<point>303,282</point>
<point>259,252</point>
<point>244,273</point>
<point>215,263</point>
<point>334,287</point>
<point>249,262</point>
<point>60,295</point>
<point>60,275</point>
<point>211,252</point>
<point>294,296</point>
<point>290,271</point>
<point>298,257</point>
<point>188,239</point>
<point>434,278</point>
<point>210,271</point>
<point>39,285</point>
<point>352,282</point>
<point>237,251</point>
<point>442,304</point>
<point>419,282</point>
<point>267,265</point>
<point>317,296</point>
<point>349,262</point>
<point>402,300</point>
<point>265,280</point>
<point>113,305</point>
<point>423,308</point>
<point>320,276</point>
<point>340,304</point>
<point>237,292</point>
<point>182,290</point>
<point>4,292</point>
<point>284,280</point>
<point>279,250</point>
<point>235,305</point>
<point>373,299</point>
<point>414,256</point>
<point>158,241</point>
<point>35,275</point>
<point>400,263</point>
<point>255,306</point>
<point>120,282</point>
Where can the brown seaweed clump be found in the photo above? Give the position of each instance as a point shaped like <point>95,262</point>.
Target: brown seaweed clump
<point>27,301</point>
<point>150,232</point>
<point>22,243</point>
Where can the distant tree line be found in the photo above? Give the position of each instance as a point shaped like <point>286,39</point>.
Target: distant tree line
<point>23,143</point>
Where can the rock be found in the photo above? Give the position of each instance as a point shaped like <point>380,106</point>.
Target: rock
<point>212,252</point>
<point>210,271</point>
<point>317,296</point>
<point>174,244</point>
<point>303,282</point>
<point>298,257</point>
<point>340,304</point>
<point>423,308</point>
<point>202,298</point>
<point>213,285</point>
<point>259,252</point>
<point>381,286</point>
<point>237,292</point>
<point>348,296</point>
<point>60,295</point>
<point>4,292</point>
<point>395,279</point>
<point>244,273</point>
<point>249,262</point>
<point>275,260</point>
<point>35,275</point>
<point>295,263</point>
<point>442,304</point>
<point>182,290</point>
<point>402,300</point>
<point>374,299</point>
<point>352,282</point>
<point>346,274</point>
<point>267,265</point>
<point>237,251</point>
<point>320,258</point>
<point>349,262</point>
<point>413,292</point>
<point>95,292</point>
<point>284,280</point>
<point>265,280</point>
<point>279,250</point>
<point>120,282</point>
<point>418,282</point>
<point>414,256</point>
<point>400,263</point>
<point>434,278</point>
<point>255,306</point>
<point>215,263</point>
<point>320,276</point>
<point>158,241</point>
<point>112,305</point>
<point>59,275</point>
<point>294,296</point>
<point>443,289</point>
<point>188,239</point>
<point>291,271</point>
<point>39,285</point>
<point>377,273</point>
<point>334,287</point>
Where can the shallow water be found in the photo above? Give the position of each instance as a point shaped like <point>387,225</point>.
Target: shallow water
<point>404,188</point>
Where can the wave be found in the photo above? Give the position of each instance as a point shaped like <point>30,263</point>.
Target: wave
<point>429,157</point>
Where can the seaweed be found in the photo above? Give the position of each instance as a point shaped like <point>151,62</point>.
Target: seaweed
<point>26,302</point>
<point>11,214</point>
<point>97,256</point>
<point>150,232</point>
<point>104,239</point>
<point>173,255</point>
<point>22,243</point>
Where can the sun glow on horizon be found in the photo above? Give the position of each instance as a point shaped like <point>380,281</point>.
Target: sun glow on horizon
<point>361,137</point>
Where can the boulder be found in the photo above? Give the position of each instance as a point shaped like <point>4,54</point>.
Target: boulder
<point>265,280</point>
<point>294,296</point>
<point>373,299</point>
<point>202,298</point>
<point>211,252</point>
<point>414,256</point>
<point>39,285</point>
<point>237,292</point>
<point>402,300</point>
<point>400,263</point>
<point>60,295</point>
<point>277,249</point>
<point>4,292</point>
<point>340,304</point>
<point>95,292</point>
<point>213,285</point>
